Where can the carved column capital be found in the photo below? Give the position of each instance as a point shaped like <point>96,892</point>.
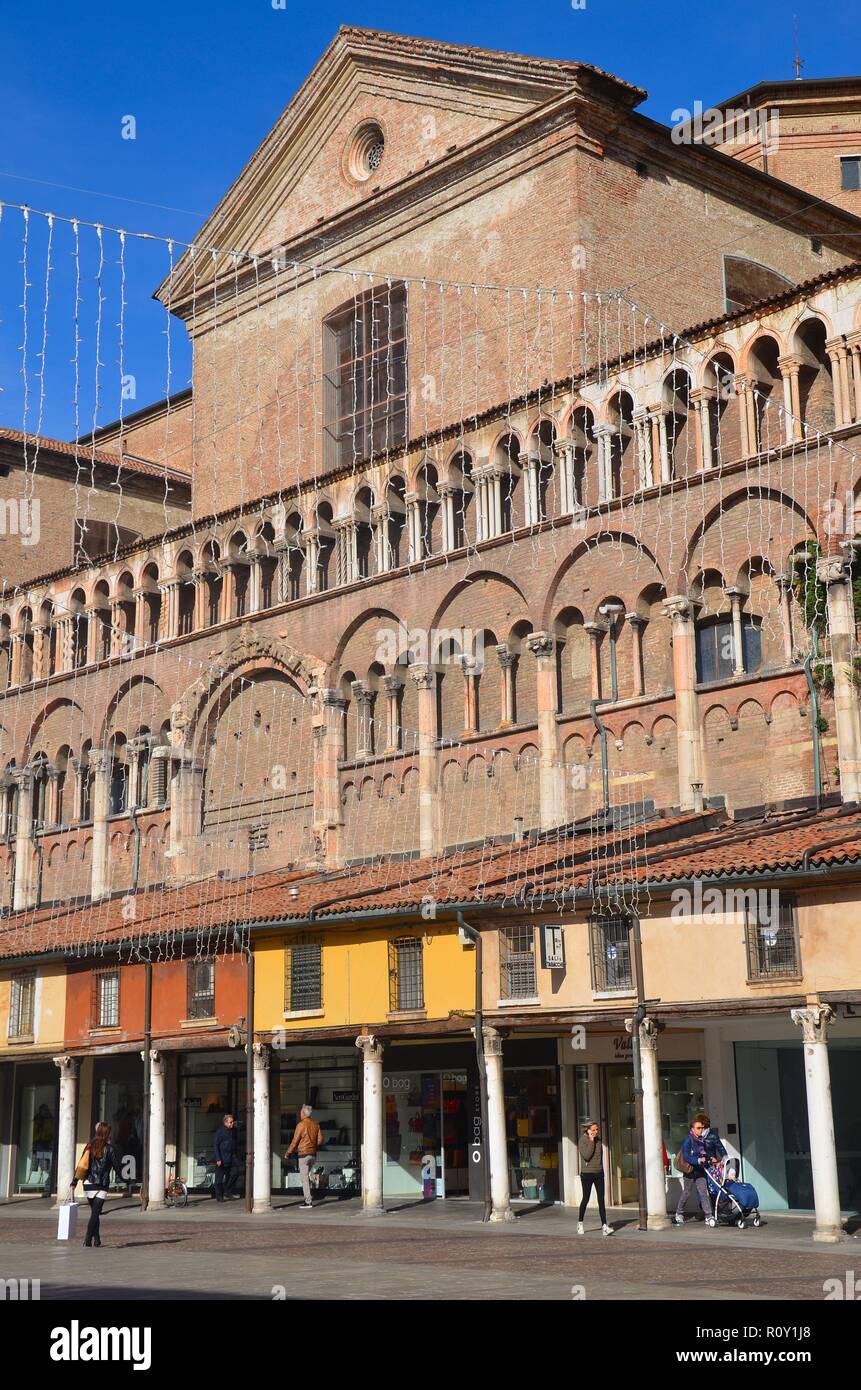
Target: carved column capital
<point>492,1040</point>
<point>813,1021</point>
<point>370,1047</point>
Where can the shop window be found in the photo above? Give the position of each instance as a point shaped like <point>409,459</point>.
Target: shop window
<point>610,954</point>
<point>406,975</point>
<point>850,173</point>
<point>771,932</point>
<point>365,375</point>
<point>201,989</point>
<point>517,963</point>
<point>22,1006</point>
<point>106,1002</point>
<point>303,977</point>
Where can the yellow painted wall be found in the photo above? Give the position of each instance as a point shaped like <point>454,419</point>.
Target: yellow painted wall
<point>50,1017</point>
<point>356,976</point>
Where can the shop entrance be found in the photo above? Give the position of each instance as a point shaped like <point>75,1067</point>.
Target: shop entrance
<point>204,1100</point>
<point>36,1129</point>
<point>681,1089</point>
<point>427,1133</point>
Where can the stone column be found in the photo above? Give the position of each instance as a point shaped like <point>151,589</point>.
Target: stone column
<point>784,584</point>
<point>186,814</point>
<point>414,538</point>
<point>735,597</point>
<point>470,676</point>
<point>117,628</point>
<point>94,635</point>
<point>157,1171</point>
<point>329,709</point>
<point>656,1197</point>
<point>507,666</point>
<point>597,632</point>
<point>312,558</point>
<point>564,451</point>
<point>603,434</point>
<point>637,624</point>
<point>64,643</point>
<point>836,350</point>
<point>391,686</point>
<point>25,887</point>
<point>255,583</point>
<point>446,511</point>
<point>228,589</point>
<point>364,699</point>
<point>747,422</point>
<point>68,1121</point>
<point>681,611</point>
<point>78,772</point>
<point>664,449</point>
<point>853,341</point>
<point>379,522</point>
<point>430,829</point>
<point>789,367</point>
<point>141,617</point>
<point>497,1147</point>
<point>52,809</point>
<point>41,650</point>
<point>100,770</point>
<point>551,772</point>
<point>813,1022</point>
<point>834,572</point>
<point>494,500</point>
<point>201,600</point>
<point>702,399</point>
<point>262,1179</point>
<point>529,466</point>
<point>643,431</point>
<point>167,626</point>
<point>371,1049</point>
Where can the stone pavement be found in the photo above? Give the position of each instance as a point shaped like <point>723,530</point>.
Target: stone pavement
<point>438,1250</point>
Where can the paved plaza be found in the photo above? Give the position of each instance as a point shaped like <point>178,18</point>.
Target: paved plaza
<point>434,1251</point>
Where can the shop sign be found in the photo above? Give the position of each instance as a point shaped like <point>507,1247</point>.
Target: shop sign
<point>552,948</point>
<point>623,1046</point>
<point>344,1097</point>
<point>192,1102</point>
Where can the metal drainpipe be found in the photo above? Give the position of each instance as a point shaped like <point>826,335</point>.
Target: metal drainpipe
<point>593,710</point>
<point>145,1174</point>
<point>814,710</point>
<point>639,1015</point>
<point>475,936</point>
<point>249,1081</point>
<point>136,863</point>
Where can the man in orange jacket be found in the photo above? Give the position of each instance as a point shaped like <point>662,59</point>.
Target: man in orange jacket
<point>307,1138</point>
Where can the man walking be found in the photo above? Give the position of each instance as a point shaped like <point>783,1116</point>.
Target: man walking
<point>226,1166</point>
<point>307,1139</point>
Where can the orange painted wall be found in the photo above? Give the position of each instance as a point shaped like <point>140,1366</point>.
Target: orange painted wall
<point>169,999</point>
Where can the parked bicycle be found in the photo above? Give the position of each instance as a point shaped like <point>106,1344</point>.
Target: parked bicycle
<point>175,1192</point>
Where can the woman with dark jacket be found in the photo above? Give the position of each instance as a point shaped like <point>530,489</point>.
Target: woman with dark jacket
<point>592,1175</point>
<point>102,1158</point>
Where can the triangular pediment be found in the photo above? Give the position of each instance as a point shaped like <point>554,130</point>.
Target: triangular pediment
<point>428,98</point>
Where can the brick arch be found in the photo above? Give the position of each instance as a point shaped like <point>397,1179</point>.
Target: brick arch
<point>698,558</point>
<point>750,343</point>
<point>32,740</point>
<point>147,711</point>
<point>468,582</point>
<point>364,619</point>
<point>808,315</point>
<point>645,571</point>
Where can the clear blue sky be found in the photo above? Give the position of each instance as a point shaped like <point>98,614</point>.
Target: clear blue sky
<point>205,82</point>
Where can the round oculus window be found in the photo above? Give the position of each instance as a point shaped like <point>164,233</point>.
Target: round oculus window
<point>366,151</point>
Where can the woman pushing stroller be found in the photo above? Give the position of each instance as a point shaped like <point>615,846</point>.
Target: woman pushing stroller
<point>700,1149</point>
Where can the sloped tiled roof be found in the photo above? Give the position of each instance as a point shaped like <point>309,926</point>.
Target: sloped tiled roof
<point>521,873</point>
<point>84,454</point>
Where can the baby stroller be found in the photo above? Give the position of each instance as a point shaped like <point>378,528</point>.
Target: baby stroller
<point>734,1202</point>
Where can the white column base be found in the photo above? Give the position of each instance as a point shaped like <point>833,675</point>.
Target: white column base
<point>830,1235</point>
<point>655,1222</point>
<point>506,1214</point>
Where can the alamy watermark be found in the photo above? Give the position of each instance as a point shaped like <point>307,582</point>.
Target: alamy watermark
<point>735,126</point>
<point>725,905</point>
<point>20,516</point>
<point>438,646</point>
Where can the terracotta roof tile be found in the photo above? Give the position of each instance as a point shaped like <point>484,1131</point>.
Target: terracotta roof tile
<point>494,874</point>
<point>130,462</point>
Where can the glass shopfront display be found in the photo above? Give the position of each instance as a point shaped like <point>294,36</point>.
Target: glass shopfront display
<point>681,1091</point>
<point>38,1099</point>
<point>426,1116</point>
<point>211,1085</point>
<point>533,1132</point>
<point>118,1100</point>
<point>331,1086</point>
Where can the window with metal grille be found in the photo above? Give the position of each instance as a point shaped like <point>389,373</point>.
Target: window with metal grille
<point>517,963</point>
<point>201,989</point>
<point>22,1006</point>
<point>258,837</point>
<point>610,953</point>
<point>303,977</point>
<point>365,375</point>
<point>771,930</point>
<point>406,974</point>
<point>107,1001</point>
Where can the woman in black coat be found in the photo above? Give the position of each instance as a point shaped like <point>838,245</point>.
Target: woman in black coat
<point>102,1159</point>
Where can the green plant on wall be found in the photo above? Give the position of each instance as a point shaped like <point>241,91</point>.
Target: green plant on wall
<point>810,593</point>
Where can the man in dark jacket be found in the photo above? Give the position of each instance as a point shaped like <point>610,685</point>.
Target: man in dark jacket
<point>226,1165</point>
